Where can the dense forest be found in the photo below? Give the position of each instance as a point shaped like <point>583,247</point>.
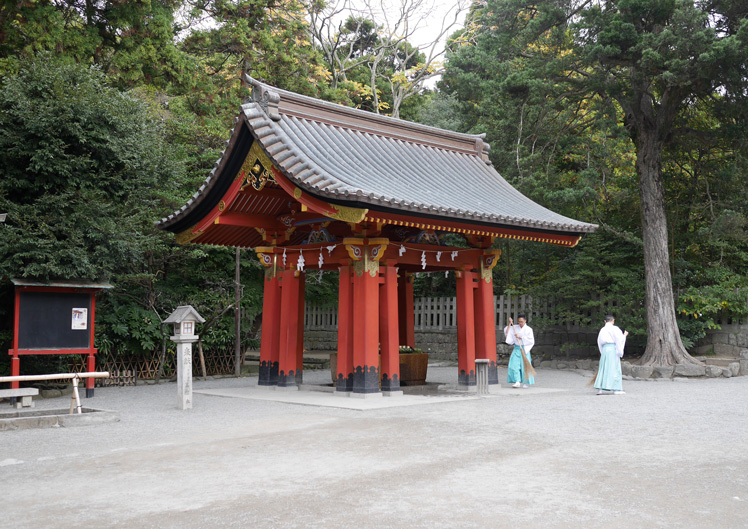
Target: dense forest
<point>631,114</point>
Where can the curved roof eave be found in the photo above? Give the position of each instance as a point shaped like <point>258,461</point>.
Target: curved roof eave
<point>350,156</point>
<point>356,158</point>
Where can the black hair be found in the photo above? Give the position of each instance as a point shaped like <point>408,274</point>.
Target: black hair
<point>609,317</point>
<point>521,316</point>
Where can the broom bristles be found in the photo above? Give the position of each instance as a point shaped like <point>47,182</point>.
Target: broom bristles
<point>529,370</point>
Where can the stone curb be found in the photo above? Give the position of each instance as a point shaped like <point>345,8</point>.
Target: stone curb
<point>637,372</point>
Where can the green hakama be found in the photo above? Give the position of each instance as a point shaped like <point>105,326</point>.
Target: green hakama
<point>516,368</point>
<point>609,376</point>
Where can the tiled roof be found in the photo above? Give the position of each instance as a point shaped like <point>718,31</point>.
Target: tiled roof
<point>356,158</point>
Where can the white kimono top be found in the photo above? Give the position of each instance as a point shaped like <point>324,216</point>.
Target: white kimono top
<point>526,337</point>
<point>611,334</point>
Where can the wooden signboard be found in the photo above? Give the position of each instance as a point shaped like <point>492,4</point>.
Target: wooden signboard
<point>54,318</point>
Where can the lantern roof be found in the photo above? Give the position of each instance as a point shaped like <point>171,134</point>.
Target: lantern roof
<point>184,313</point>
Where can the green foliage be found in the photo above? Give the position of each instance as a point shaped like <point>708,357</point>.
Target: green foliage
<point>557,93</point>
<point>133,42</point>
<point>80,159</point>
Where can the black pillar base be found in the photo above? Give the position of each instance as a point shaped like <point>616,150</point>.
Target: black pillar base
<point>390,384</point>
<point>366,379</point>
<point>268,374</point>
<point>344,384</point>
<point>89,393</point>
<point>466,379</point>
<point>287,380</point>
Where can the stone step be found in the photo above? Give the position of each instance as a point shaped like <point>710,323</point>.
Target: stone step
<point>722,361</point>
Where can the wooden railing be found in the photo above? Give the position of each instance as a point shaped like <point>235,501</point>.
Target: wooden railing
<point>441,313</point>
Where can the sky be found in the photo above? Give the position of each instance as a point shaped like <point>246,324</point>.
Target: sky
<point>429,18</point>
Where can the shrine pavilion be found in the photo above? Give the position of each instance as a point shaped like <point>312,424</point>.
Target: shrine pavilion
<point>309,184</point>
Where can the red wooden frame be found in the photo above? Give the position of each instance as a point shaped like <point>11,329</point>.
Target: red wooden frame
<point>15,352</point>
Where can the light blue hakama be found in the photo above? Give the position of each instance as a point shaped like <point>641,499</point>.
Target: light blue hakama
<point>516,368</point>
<point>609,374</point>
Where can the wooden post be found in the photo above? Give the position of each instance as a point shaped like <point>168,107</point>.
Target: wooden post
<point>270,342</point>
<point>485,328</point>
<point>365,332</point>
<point>301,284</point>
<point>15,362</point>
<point>237,315</point>
<point>388,331</point>
<point>75,401</point>
<point>91,365</point>
<point>344,376</point>
<point>289,329</point>
<point>405,310</point>
<point>466,328</point>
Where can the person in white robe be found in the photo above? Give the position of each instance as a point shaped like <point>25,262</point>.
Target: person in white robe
<point>611,342</point>
<point>517,335</point>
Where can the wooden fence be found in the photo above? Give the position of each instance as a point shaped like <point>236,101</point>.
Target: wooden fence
<point>125,369</point>
<point>441,313</point>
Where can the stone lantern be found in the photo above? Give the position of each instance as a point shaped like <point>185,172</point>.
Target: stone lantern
<point>184,319</point>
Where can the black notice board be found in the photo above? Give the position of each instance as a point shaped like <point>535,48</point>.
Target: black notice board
<point>46,320</point>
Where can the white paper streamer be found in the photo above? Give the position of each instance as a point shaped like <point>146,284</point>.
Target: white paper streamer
<point>401,251</point>
<point>321,259</point>
<point>438,257</point>
<point>284,257</point>
<point>300,262</point>
<point>454,254</point>
<point>423,260</point>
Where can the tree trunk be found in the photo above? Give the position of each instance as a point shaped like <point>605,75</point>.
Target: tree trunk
<point>664,345</point>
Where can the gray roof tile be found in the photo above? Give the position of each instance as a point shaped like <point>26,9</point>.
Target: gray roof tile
<point>333,151</point>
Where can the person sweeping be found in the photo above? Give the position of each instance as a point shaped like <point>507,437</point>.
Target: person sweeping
<point>611,342</point>
<point>520,371</point>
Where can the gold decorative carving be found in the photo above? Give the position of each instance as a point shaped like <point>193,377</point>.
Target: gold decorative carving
<point>221,205</point>
<point>187,236</point>
<point>297,193</point>
<point>488,261</point>
<point>347,214</point>
<point>256,168</point>
<point>265,259</point>
<point>366,265</point>
<point>356,251</point>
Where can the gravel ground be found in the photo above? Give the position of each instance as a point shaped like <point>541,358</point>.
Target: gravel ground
<point>666,454</point>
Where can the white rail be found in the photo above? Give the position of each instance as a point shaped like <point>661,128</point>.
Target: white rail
<point>75,401</point>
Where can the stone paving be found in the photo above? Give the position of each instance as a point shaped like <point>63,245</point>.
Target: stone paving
<point>670,453</point>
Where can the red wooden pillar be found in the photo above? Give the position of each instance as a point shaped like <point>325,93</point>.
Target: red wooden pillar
<point>270,344</point>
<point>388,329</point>
<point>15,361</point>
<point>405,310</point>
<point>344,376</point>
<point>289,328</point>
<point>485,326</point>
<point>300,336</point>
<point>365,330</point>
<point>91,360</point>
<point>465,328</point>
